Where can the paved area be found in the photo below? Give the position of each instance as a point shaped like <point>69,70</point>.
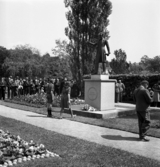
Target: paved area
<point>119,110</point>
<point>109,137</point>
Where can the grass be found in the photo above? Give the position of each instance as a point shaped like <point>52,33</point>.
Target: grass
<point>125,123</point>
<point>73,152</point>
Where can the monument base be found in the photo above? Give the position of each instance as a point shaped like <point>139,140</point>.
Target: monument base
<point>100,92</point>
<point>100,77</point>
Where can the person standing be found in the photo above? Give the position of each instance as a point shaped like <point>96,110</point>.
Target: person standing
<point>122,89</point>
<point>37,86</point>
<point>151,94</point>
<point>13,89</point>
<point>117,92</point>
<point>143,99</point>
<point>17,84</point>
<point>20,87</point>
<point>24,87</point>
<point>9,87</point>
<point>156,95</point>
<point>57,87</point>
<point>63,81</point>
<point>50,97</point>
<point>3,88</point>
<point>65,99</point>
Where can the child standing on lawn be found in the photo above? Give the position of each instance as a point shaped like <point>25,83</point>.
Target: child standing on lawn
<point>65,99</point>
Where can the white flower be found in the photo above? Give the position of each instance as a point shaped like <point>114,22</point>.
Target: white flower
<point>42,146</point>
<point>18,138</point>
<point>31,148</point>
<point>31,142</point>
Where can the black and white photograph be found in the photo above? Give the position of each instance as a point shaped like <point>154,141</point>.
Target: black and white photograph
<point>79,83</point>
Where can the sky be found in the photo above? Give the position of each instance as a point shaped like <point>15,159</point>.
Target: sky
<point>134,26</point>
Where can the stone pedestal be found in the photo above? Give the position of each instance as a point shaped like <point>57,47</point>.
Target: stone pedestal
<point>100,92</point>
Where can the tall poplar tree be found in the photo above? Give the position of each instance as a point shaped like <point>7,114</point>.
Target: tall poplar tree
<point>86,19</point>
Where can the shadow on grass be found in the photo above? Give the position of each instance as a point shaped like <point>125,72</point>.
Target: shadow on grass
<point>42,116</point>
<point>119,137</point>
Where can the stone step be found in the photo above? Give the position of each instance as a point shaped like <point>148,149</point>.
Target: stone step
<point>116,112</point>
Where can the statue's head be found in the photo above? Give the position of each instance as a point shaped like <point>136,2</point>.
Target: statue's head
<point>100,35</point>
<point>104,35</point>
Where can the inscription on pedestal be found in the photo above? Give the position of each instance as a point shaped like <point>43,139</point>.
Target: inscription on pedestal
<point>92,93</point>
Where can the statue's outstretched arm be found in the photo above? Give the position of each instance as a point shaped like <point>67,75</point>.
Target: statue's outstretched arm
<point>108,48</point>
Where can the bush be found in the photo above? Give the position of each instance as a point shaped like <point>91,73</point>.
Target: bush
<point>131,81</point>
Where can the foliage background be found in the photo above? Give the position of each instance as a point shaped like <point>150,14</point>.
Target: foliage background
<point>75,58</point>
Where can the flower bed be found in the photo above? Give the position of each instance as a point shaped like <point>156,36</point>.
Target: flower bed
<point>15,150</point>
<point>39,100</point>
<point>57,101</point>
<point>24,103</point>
<point>77,101</point>
<point>36,100</point>
<point>33,99</point>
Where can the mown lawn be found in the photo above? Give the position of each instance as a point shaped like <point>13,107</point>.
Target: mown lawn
<point>126,123</point>
<point>73,152</point>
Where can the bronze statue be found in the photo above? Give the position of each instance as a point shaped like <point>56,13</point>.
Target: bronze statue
<point>101,53</point>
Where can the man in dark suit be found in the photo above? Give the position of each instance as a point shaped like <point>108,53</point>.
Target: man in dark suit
<point>143,100</point>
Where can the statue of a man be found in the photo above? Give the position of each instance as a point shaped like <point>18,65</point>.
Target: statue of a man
<point>101,54</point>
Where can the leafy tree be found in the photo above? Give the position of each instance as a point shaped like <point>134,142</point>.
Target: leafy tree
<point>45,60</point>
<point>62,59</point>
<point>151,65</point>
<point>135,68</point>
<point>4,53</point>
<point>60,49</point>
<point>119,64</point>
<point>23,61</point>
<point>86,19</point>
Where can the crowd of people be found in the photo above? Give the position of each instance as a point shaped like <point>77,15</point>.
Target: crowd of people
<point>10,87</point>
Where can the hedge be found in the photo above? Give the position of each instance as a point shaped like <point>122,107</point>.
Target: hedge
<point>131,81</point>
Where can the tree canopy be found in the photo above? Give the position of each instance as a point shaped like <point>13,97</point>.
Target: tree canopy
<point>86,19</point>
<point>119,64</point>
<point>24,61</point>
